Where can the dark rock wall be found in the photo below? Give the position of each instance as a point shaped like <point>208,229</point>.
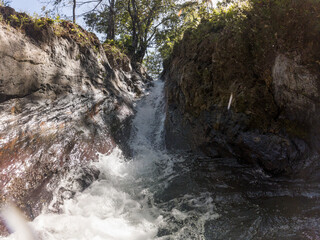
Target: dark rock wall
<point>274,116</point>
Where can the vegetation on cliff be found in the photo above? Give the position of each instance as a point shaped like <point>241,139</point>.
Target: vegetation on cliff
<point>263,53</point>
<point>236,46</point>
<point>44,29</point>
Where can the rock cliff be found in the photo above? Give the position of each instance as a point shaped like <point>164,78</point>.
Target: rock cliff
<point>266,56</point>
<point>64,99</point>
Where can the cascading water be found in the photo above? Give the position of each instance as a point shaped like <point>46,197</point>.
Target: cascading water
<point>121,205</point>
<point>161,195</point>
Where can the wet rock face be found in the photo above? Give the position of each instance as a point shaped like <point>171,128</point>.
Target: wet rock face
<point>296,90</point>
<point>273,120</point>
<point>59,105</point>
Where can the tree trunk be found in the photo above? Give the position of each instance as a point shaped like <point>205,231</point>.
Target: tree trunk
<point>135,27</point>
<point>140,52</point>
<point>111,19</point>
<point>74,11</point>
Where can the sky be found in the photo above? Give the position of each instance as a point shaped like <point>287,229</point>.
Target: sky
<point>35,7</point>
<point>28,6</point>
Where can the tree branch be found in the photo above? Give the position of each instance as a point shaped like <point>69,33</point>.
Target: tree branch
<point>92,10</point>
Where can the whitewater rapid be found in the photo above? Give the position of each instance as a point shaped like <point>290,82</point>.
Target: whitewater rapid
<point>120,204</point>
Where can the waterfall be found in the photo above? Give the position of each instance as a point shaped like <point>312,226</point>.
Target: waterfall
<point>121,204</point>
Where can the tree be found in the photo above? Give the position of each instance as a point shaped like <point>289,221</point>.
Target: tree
<point>133,23</point>
<point>161,25</point>
<point>57,4</point>
<point>144,25</point>
<point>103,19</point>
<point>179,17</point>
<point>136,25</point>
<point>74,11</point>
<point>111,20</point>
<point>5,3</point>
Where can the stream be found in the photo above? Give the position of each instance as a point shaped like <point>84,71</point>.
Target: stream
<point>156,194</point>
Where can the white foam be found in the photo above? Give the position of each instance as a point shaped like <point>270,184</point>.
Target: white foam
<point>120,205</point>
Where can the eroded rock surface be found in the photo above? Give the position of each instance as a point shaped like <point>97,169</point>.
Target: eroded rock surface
<point>296,90</point>
<point>61,104</point>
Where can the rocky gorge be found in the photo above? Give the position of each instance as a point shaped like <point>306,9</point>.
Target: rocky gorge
<point>224,146</point>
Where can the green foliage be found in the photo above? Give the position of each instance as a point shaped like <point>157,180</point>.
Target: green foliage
<point>122,43</point>
<point>22,21</point>
<point>110,46</point>
<point>19,20</point>
<point>141,24</point>
<point>116,57</point>
<point>261,28</point>
<point>279,26</point>
<point>234,49</point>
<point>181,18</point>
<point>73,31</point>
<point>39,23</point>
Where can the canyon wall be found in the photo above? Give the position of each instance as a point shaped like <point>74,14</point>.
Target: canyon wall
<point>64,99</point>
<point>268,61</point>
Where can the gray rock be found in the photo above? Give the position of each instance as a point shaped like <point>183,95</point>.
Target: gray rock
<point>297,91</point>
<point>274,126</point>
<point>59,102</point>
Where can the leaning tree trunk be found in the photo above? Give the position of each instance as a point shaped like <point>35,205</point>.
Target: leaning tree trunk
<point>74,11</point>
